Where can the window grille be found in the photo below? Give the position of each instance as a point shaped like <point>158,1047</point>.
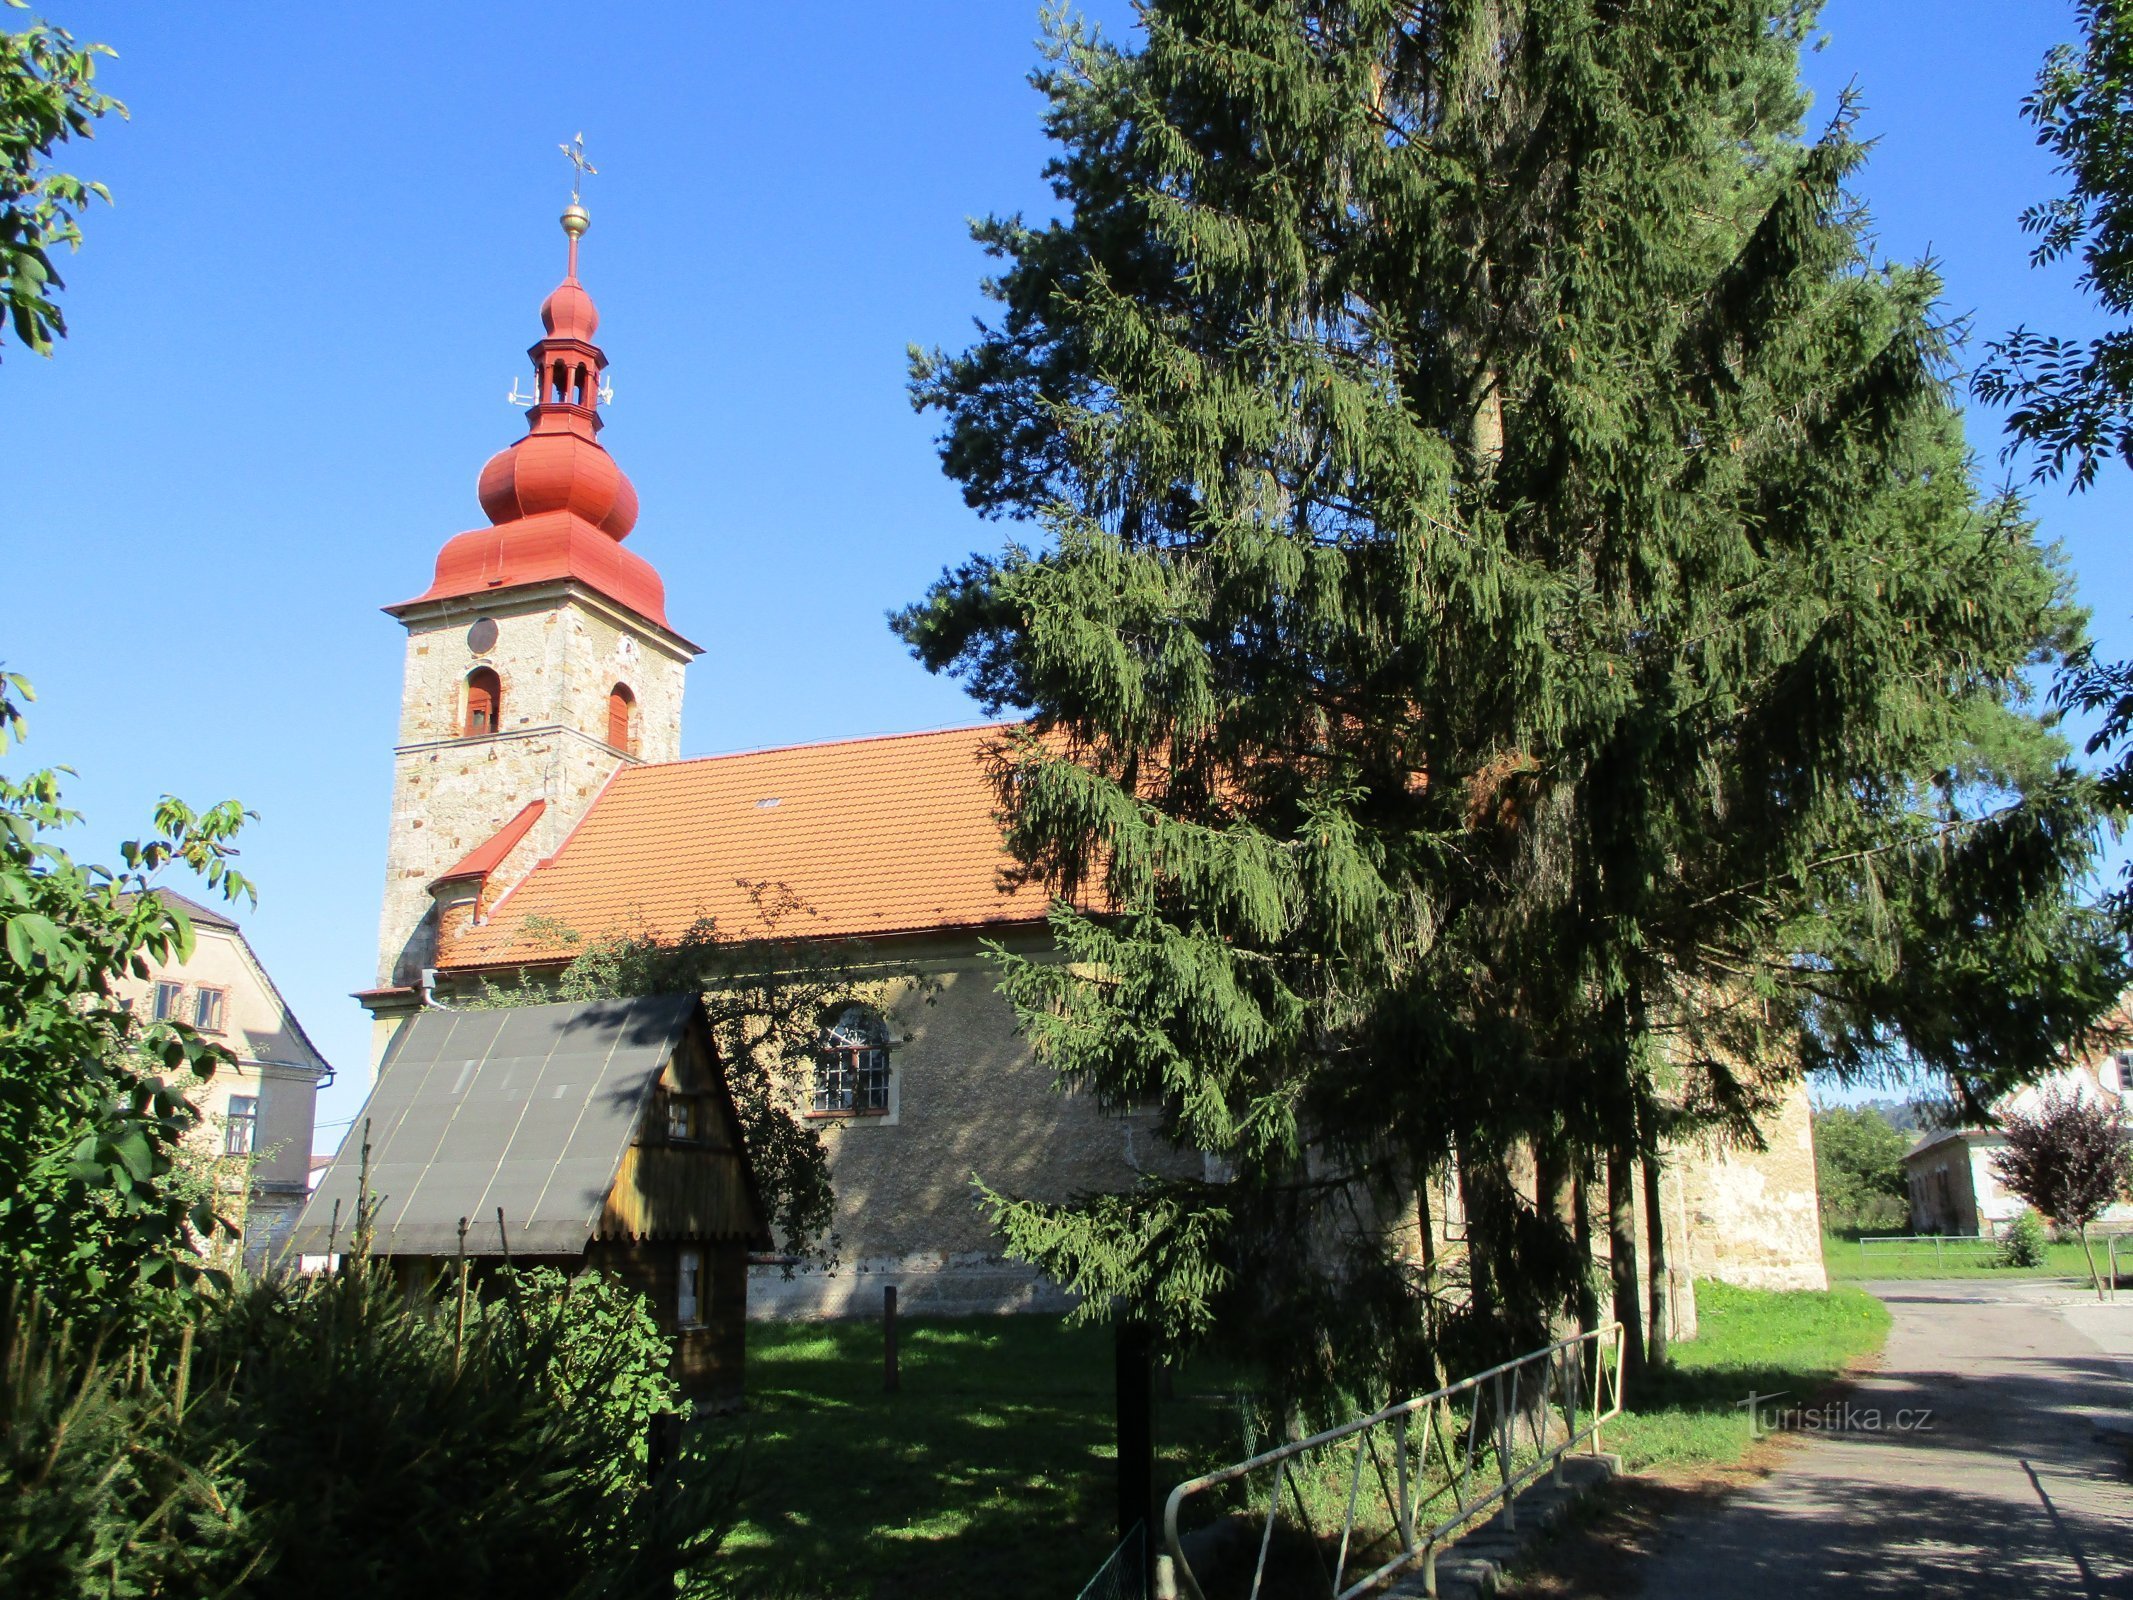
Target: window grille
<point>852,1069</point>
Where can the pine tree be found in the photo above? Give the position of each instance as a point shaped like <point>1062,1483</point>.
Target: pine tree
<point>1510,634</point>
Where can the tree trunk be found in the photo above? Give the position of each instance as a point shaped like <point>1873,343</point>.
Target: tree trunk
<point>1660,1331</point>
<point>1622,1253</point>
<point>1581,1228</point>
<point>2095,1278</point>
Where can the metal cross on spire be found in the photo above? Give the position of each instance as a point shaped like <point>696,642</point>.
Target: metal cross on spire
<point>581,169</point>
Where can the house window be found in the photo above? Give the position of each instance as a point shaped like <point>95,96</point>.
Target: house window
<point>621,717</point>
<point>208,1006</point>
<point>166,1001</point>
<point>239,1124</point>
<point>681,1117</point>
<point>852,1067</point>
<point>688,1288</point>
<point>485,702</point>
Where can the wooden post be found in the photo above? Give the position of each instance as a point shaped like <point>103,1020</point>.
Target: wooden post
<point>1134,1371</point>
<point>890,1378</point>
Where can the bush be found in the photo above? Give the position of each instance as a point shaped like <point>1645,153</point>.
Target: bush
<point>101,1491</point>
<point>363,1443</point>
<point>2023,1243</point>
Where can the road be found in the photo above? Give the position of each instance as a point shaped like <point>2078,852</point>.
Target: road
<point>1968,1464</point>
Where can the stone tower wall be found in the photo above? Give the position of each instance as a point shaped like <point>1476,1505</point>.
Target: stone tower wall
<point>559,652</point>
<point>1755,1215</point>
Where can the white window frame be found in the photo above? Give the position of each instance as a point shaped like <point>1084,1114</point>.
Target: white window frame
<point>689,1294</point>
<point>247,1119</point>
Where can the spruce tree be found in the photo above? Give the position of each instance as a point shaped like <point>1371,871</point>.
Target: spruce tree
<point>1510,637</point>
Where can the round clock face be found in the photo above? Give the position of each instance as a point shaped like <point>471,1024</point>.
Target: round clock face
<point>481,638</point>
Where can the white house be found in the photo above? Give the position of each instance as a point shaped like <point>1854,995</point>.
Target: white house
<point>256,1117</point>
<point>1953,1190</point>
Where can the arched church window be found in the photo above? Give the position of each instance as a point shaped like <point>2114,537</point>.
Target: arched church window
<point>485,703</point>
<point>852,1063</point>
<point>622,718</point>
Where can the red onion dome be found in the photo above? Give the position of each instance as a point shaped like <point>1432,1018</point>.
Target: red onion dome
<point>569,312</point>
<point>559,471</point>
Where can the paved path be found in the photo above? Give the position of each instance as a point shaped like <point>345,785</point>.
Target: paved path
<point>2005,1491</point>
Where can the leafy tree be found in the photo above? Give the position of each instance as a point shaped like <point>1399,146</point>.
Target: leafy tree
<point>2069,1158</point>
<point>2072,399</point>
<point>93,1109</point>
<point>48,95</point>
<point>768,992</point>
<point>1859,1168</point>
<point>1517,660</point>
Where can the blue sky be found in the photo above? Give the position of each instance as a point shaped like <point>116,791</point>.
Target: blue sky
<point>294,332</point>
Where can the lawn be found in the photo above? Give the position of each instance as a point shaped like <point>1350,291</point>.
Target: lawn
<point>991,1471</point>
<point>1846,1263</point>
<point>1748,1341</point>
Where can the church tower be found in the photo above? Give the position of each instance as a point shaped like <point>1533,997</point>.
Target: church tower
<point>539,661</point>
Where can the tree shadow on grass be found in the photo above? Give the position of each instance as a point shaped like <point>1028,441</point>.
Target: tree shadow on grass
<point>993,1468</point>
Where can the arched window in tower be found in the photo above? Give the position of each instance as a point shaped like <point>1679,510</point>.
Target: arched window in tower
<point>485,703</point>
<point>622,719</point>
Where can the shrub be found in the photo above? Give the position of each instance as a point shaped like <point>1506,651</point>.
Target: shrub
<point>101,1491</point>
<point>335,1436</point>
<point>2023,1243</point>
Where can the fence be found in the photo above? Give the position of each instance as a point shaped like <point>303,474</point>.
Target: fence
<point>1124,1575</point>
<point>1512,1423</point>
<point>1942,1243</point>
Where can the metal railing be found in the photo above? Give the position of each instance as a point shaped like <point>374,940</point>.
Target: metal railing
<point>1942,1243</point>
<point>1519,1419</point>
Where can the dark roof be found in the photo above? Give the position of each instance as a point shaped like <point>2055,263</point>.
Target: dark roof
<point>529,1109</point>
<point>195,913</point>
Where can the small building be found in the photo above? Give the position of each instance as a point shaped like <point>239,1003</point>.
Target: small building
<point>1949,1173</point>
<point>256,1116</point>
<point>588,1134</point>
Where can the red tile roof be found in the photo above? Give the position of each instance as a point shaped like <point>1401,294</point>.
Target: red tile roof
<point>871,836</point>
<point>487,856</point>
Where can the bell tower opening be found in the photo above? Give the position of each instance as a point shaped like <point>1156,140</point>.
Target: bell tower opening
<point>621,715</point>
<point>485,703</point>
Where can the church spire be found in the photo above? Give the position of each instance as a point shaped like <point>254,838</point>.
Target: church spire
<point>557,503</point>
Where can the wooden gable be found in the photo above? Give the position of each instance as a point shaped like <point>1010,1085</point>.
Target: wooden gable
<point>685,1175</point>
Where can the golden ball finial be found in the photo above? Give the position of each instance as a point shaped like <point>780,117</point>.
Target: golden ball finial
<point>576,220</point>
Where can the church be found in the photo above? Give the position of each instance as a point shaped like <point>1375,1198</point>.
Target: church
<point>539,788</point>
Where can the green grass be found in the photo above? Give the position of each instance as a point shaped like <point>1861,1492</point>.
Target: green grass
<point>1748,1340</point>
<point>1841,1257</point>
<point>991,1471</point>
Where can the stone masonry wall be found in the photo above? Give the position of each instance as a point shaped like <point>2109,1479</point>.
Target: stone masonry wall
<point>559,652</point>
<point>1754,1215</point>
<point>966,1096</point>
